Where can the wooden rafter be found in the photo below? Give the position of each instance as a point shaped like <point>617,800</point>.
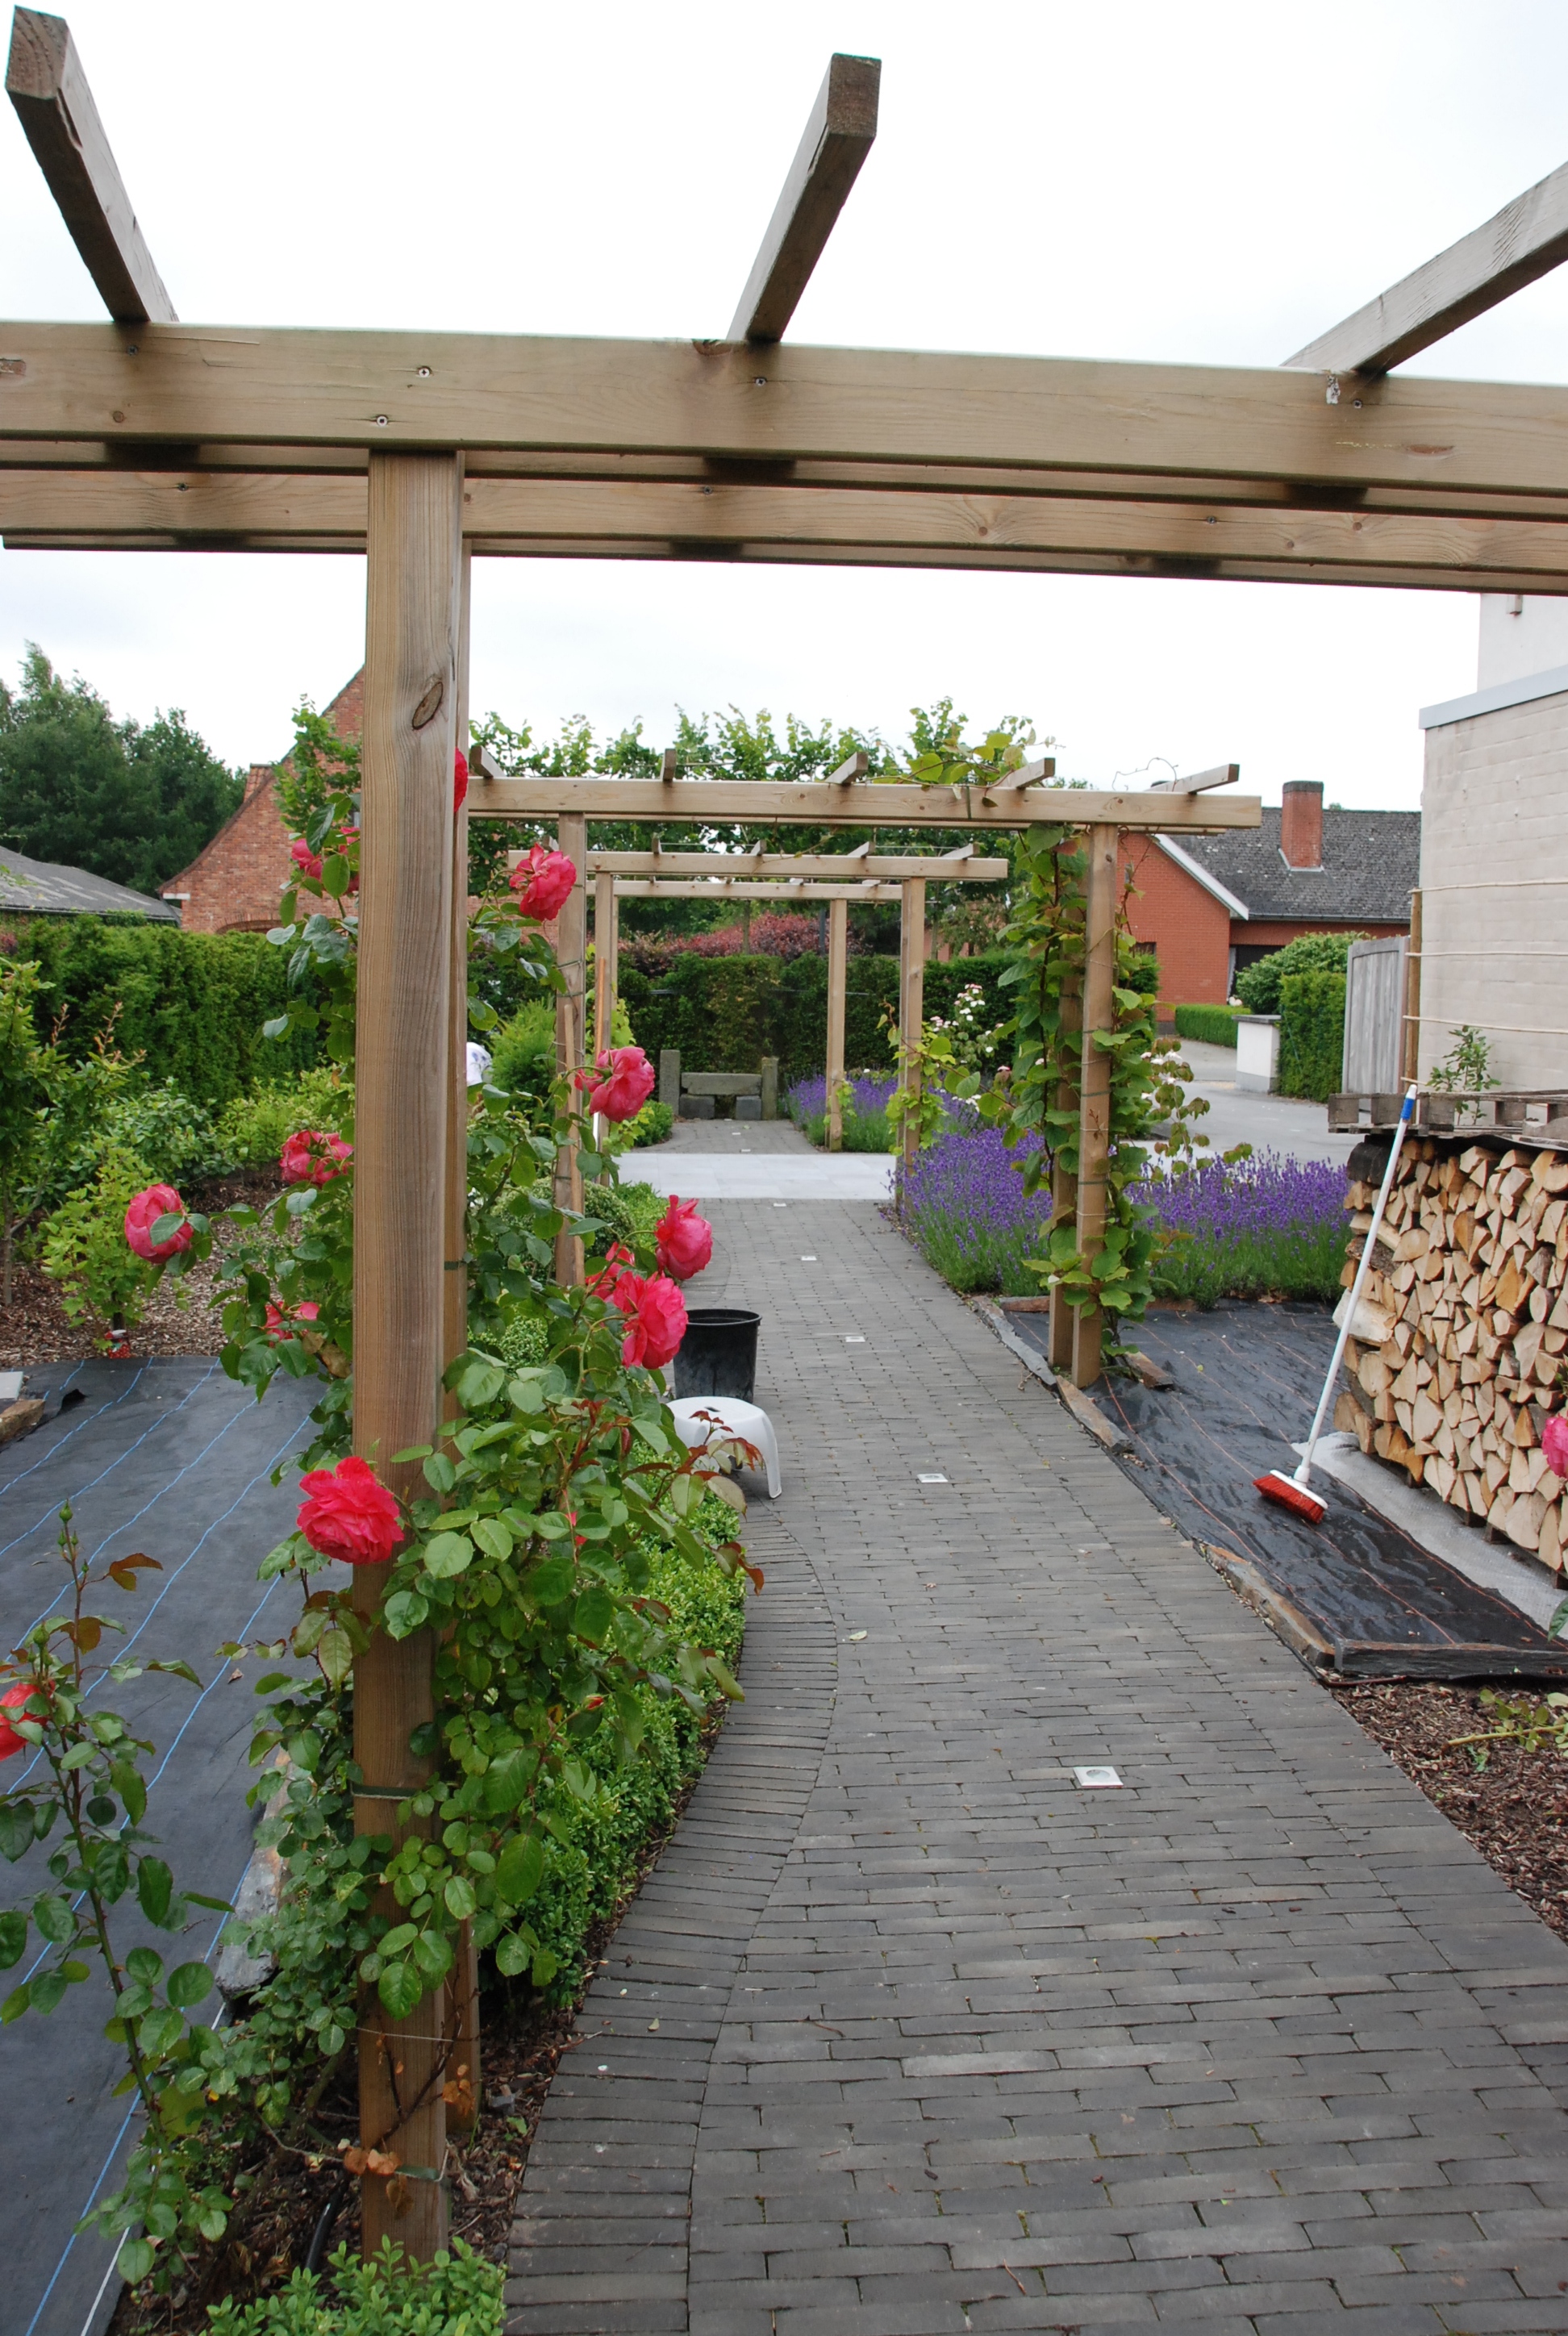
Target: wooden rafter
<point>781,896</point>
<point>723,802</point>
<point>46,84</point>
<point>814,867</point>
<point>1527,239</point>
<point>836,140</point>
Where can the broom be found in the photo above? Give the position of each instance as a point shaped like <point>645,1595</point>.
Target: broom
<point>1294,1492</point>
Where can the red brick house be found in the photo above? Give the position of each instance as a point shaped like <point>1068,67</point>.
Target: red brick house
<point>1211,904</point>
<point>232,886</point>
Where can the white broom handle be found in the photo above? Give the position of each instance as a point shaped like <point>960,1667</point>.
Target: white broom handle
<point>1406,1115</point>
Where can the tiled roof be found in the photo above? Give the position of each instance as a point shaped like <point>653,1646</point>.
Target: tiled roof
<point>1372,865</point>
<point>44,887</point>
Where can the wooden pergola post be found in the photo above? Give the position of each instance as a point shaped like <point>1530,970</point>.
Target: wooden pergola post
<point>571,951</point>
<point>1094,1084</point>
<point>413,630</point>
<point>1064,1183</point>
<point>838,966</point>
<point>604,944</point>
<point>911,1006</point>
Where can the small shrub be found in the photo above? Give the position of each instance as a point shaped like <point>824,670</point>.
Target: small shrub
<point>1212,1026</point>
<point>459,2294</point>
<point>84,1249</point>
<point>1312,1034</point>
<point>654,1123</point>
<point>174,1136</point>
<point>1257,986</point>
<point>255,1127</point>
<point>523,1055</point>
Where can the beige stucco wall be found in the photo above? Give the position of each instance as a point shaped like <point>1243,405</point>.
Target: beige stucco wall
<point>1495,889</point>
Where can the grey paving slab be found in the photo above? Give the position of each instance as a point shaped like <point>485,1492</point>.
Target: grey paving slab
<point>945,2043</point>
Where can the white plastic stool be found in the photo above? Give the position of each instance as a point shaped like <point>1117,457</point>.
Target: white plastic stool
<point>724,1421</point>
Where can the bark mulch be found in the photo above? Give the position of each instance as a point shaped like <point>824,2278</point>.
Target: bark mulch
<point>1513,1809</point>
<point>35,1329</point>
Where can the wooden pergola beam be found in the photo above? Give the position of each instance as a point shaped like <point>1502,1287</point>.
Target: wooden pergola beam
<point>1527,239</point>
<point>824,866</point>
<point>780,802</point>
<point>836,140</point>
<point>46,84</point>
<point>781,896</point>
<point>189,385</point>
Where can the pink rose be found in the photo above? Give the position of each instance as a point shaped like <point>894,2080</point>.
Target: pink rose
<point>618,1261</point>
<point>628,1079</point>
<point>309,1155</point>
<point>541,880</point>
<point>1554,1444</point>
<point>459,781</point>
<point>350,1514</point>
<point>308,862</point>
<point>684,1241</point>
<point>655,1314</point>
<point>153,1202</point>
<point>279,1322</point>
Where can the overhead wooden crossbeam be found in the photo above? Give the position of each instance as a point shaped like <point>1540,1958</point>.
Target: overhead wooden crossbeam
<point>1527,239</point>
<point>837,139</point>
<point>725,802</point>
<point>816,867</point>
<point>46,84</point>
<point>781,896</point>
<point>1197,783</point>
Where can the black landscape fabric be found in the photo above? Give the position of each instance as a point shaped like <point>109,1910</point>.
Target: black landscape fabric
<point>172,1458</point>
<point>1247,1381</point>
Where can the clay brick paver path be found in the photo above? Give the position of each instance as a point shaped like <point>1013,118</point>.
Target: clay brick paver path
<point>909,2034</point>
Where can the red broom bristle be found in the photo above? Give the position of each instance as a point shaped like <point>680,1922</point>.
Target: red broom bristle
<point>1277,1486</point>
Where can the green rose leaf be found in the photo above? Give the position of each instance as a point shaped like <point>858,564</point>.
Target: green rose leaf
<point>520,1870</point>
<point>13,1938</point>
<point>549,1584</point>
<point>460,1901</point>
<point>155,1889</point>
<point>55,1920</point>
<point>48,1989</point>
<point>16,1829</point>
<point>449,1553</point>
<point>512,1956</point>
<point>145,1966</point>
<point>137,2256</point>
<point>491,1537</point>
<point>189,1983</point>
<point>593,1614</point>
<point>402,1990</point>
<point>404,1612</point>
<point>506,1782</point>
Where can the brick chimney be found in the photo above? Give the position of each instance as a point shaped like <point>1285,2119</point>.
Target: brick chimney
<point>1302,823</point>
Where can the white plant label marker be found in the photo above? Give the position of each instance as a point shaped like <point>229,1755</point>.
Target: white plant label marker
<point>855,1338</point>
<point>1097,1780</point>
<point>781,1204</point>
<point>808,1261</point>
<point>931,1480</point>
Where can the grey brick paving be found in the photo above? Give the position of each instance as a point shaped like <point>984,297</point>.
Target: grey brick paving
<point>944,2043</point>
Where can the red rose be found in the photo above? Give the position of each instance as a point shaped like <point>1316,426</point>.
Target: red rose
<point>1554,1444</point>
<point>277,1321</point>
<point>9,1740</point>
<point>155,1201</point>
<point>684,1241</point>
<point>459,781</point>
<point>628,1079</point>
<point>308,862</point>
<point>618,1262</point>
<point>542,881</point>
<point>349,1514</point>
<point>655,1314</point>
<point>308,1157</point>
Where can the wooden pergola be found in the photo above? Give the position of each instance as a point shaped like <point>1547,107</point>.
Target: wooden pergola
<point>418,450</point>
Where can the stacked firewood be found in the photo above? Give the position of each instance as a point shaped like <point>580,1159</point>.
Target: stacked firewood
<point>1459,1347</point>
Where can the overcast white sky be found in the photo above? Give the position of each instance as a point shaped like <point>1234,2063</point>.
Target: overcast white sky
<point>1213,183</point>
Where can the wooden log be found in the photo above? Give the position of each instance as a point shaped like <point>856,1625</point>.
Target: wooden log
<point>1095,1083</point>
<point>836,140</point>
<point>570,1007</point>
<point>911,1006</point>
<point>413,627</point>
<point>838,985</point>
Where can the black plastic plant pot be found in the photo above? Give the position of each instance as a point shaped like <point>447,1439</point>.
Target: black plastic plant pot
<point>717,1354</point>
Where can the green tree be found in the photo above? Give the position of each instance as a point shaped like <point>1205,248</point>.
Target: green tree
<point>1259,985</point>
<point>131,803</point>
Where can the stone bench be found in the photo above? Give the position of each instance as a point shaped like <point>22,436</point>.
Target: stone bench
<point>696,1095</point>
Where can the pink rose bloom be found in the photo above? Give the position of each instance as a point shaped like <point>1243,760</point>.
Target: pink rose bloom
<point>618,1261</point>
<point>655,1314</point>
<point>684,1239</point>
<point>308,862</point>
<point>1554,1444</point>
<point>309,1156</point>
<point>153,1202</point>
<point>541,880</point>
<point>350,1514</point>
<point>459,781</point>
<point>627,1080</point>
<point>277,1321</point>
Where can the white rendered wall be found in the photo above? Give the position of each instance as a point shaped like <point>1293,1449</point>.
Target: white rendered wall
<point>1535,640</point>
<point>1494,885</point>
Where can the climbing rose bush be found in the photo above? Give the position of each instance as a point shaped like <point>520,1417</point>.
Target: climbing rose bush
<point>280,1319</point>
<point>349,1514</point>
<point>155,1201</point>
<point>311,1156</point>
<point>627,1079</point>
<point>683,1241</point>
<point>541,880</point>
<point>656,1319</point>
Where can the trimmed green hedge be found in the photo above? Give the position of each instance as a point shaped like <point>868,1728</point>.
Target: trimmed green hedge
<point>1312,1034</point>
<point>1214,1026</point>
<point>726,1013</point>
<point>191,1004</point>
